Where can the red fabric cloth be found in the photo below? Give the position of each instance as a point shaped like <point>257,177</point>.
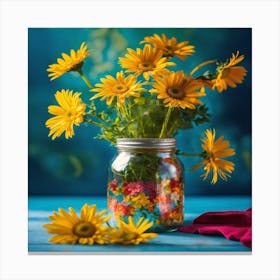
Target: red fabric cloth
<point>234,225</point>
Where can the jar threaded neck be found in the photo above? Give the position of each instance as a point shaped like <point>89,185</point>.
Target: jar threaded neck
<point>146,143</point>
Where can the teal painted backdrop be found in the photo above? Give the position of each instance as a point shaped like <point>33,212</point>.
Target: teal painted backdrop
<point>78,166</point>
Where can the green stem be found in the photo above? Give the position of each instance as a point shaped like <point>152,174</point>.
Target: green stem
<point>122,112</point>
<point>95,123</point>
<point>167,117</point>
<point>201,65</point>
<point>86,80</point>
<point>170,131</point>
<point>127,114</point>
<point>140,111</point>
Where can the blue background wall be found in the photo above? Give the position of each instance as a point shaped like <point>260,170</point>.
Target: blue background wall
<point>78,166</point>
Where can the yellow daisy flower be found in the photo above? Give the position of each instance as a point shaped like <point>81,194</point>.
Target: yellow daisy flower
<point>170,47</point>
<point>69,113</point>
<point>120,87</point>
<point>72,62</point>
<point>213,153</point>
<point>131,234</point>
<point>178,90</point>
<point>148,61</point>
<point>71,229</point>
<point>228,74</point>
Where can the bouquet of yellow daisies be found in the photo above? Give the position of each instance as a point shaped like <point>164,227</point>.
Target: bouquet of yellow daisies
<point>147,99</point>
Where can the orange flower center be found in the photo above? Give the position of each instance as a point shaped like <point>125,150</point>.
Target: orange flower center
<point>169,47</point>
<point>175,92</point>
<point>211,157</point>
<point>72,114</point>
<point>130,236</point>
<point>169,50</point>
<point>84,229</point>
<point>146,66</point>
<point>120,88</point>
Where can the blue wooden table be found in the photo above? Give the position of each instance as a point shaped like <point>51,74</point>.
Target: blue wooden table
<point>41,207</point>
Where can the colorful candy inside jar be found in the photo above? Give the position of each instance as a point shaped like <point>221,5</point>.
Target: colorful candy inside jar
<point>146,180</point>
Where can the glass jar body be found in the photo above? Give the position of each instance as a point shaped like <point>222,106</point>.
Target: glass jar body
<point>147,182</point>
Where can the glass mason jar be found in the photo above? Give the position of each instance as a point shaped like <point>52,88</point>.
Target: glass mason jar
<point>146,179</point>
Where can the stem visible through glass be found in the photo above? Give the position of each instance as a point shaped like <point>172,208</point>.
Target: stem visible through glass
<point>167,117</point>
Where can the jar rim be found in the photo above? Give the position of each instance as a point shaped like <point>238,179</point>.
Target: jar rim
<point>146,143</point>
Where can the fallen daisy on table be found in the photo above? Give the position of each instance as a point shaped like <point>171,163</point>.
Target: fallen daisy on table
<point>90,228</point>
<point>68,228</point>
<point>129,233</point>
